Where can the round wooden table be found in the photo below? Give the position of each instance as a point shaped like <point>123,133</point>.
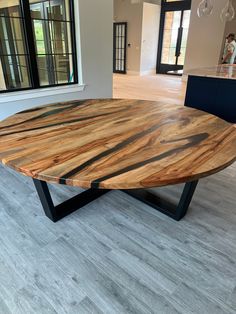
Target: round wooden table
<point>130,145</point>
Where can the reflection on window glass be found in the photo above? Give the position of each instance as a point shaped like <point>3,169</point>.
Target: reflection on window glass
<point>14,66</point>
<point>39,36</point>
<point>17,71</point>
<point>52,33</point>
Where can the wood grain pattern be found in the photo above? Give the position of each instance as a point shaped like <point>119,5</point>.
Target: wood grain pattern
<point>116,144</point>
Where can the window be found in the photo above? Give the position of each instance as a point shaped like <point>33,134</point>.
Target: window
<point>37,44</point>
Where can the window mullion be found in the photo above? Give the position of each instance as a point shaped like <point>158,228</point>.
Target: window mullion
<point>28,31</point>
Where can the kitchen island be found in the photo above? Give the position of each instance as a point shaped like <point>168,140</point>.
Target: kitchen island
<point>213,90</point>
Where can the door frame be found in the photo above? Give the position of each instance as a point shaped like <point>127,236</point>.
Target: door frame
<point>165,7</point>
<point>115,24</point>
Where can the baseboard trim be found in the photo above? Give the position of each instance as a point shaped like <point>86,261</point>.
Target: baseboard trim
<point>142,73</point>
<point>148,72</point>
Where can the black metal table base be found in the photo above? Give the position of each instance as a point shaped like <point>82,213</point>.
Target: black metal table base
<point>177,212</point>
<point>56,213</point>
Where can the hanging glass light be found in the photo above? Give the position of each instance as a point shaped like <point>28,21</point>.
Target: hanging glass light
<point>228,13</point>
<point>205,8</point>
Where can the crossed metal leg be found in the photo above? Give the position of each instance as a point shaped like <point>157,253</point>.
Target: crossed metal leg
<point>56,213</point>
<point>177,212</point>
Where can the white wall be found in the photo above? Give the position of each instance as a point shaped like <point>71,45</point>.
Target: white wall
<point>150,35</point>
<point>96,19</point>
<point>132,13</point>
<point>125,11</point>
<point>205,37</point>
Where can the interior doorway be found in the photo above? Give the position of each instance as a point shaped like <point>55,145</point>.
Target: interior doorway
<point>174,26</point>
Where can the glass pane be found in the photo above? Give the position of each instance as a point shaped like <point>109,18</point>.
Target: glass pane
<point>39,36</point>
<point>40,46</point>
<point>64,69</point>
<point>43,70</point>
<point>172,24</point>
<point>19,46</point>
<point>186,18</point>
<point>16,74</point>
<point>37,10</point>
<point>11,37</point>
<point>10,8</point>
<point>11,28</point>
<point>59,10</point>
<point>60,37</point>
<point>14,68</point>
<point>62,66</point>
<point>186,21</point>
<point>59,34</point>
<point>15,47</point>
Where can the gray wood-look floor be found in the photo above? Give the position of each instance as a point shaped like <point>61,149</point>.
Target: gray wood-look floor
<point>117,255</point>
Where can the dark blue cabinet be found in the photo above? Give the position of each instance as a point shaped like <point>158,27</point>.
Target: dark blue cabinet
<point>213,95</point>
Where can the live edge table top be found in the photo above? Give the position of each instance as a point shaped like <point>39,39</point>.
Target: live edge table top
<point>116,144</point>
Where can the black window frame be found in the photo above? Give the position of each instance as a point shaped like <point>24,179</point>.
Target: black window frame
<point>168,6</point>
<point>27,26</point>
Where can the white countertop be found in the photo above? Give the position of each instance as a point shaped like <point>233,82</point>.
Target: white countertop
<point>221,71</point>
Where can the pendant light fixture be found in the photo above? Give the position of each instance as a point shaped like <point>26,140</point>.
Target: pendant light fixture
<point>228,13</point>
<point>205,8</point>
